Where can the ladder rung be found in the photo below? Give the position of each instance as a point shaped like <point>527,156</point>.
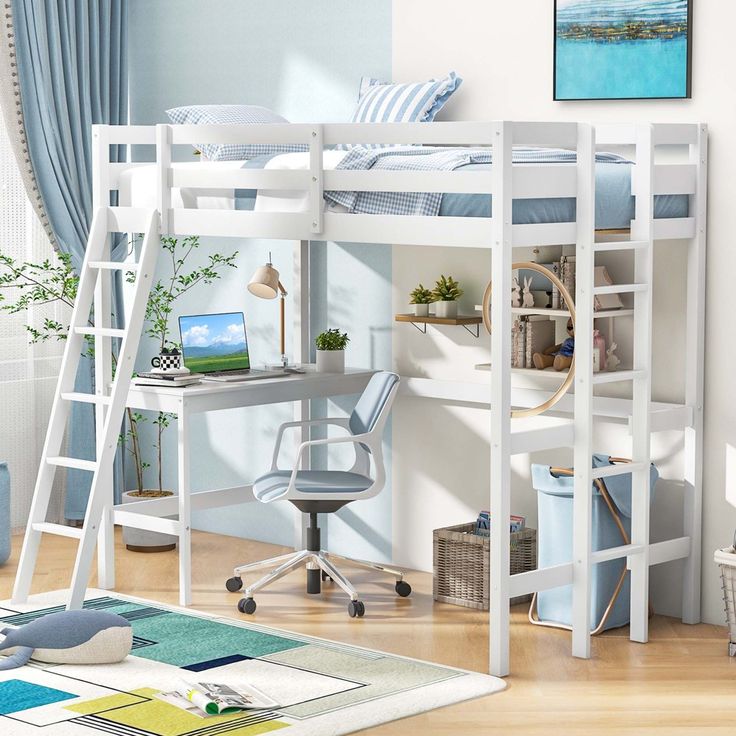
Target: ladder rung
<point>100,331</point>
<point>620,245</point>
<point>72,462</point>
<point>60,530</point>
<point>85,398</point>
<point>616,376</point>
<point>608,471</point>
<point>113,265</point>
<point>616,553</point>
<point>619,288</point>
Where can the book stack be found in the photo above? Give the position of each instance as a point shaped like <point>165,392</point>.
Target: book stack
<point>530,334</point>
<point>168,378</point>
<point>564,269</point>
<point>483,523</point>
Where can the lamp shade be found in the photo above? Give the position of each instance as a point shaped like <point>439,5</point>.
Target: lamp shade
<point>265,282</point>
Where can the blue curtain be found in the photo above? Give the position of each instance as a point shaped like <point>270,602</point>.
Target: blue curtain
<point>72,70</point>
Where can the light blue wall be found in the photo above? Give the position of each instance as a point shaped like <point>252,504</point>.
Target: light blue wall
<point>304,60</point>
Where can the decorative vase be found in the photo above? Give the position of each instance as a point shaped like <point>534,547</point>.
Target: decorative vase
<point>421,310</point>
<point>141,540</point>
<point>4,513</point>
<point>445,310</point>
<point>330,361</point>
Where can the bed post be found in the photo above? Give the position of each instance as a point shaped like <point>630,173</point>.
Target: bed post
<point>583,399</point>
<point>500,492</point>
<point>301,353</point>
<point>694,367</point>
<point>103,354</point>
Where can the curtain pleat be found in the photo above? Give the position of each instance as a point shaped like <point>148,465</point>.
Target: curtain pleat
<point>72,73</point>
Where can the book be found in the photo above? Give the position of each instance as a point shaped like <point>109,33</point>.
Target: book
<point>601,277</point>
<point>157,379</point>
<point>518,346</point>
<point>216,699</point>
<point>540,334</point>
<point>483,524</point>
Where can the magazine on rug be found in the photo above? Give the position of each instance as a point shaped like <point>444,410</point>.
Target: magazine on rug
<point>212,698</point>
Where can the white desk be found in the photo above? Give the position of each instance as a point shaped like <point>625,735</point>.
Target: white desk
<point>205,397</point>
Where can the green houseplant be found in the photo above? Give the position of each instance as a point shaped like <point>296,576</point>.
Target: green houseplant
<point>446,292</point>
<point>331,346</point>
<point>28,284</point>
<point>421,298</point>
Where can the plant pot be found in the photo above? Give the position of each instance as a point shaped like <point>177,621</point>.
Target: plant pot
<point>421,310</point>
<point>445,309</point>
<point>141,540</point>
<point>330,361</point>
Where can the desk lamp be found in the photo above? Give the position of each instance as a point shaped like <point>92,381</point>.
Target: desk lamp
<point>265,284</point>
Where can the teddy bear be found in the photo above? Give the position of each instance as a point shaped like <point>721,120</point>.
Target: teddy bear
<point>557,356</point>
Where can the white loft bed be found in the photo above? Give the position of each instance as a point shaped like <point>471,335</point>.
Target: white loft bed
<point>572,424</point>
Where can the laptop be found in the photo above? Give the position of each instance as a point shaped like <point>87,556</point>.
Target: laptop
<point>216,346</point>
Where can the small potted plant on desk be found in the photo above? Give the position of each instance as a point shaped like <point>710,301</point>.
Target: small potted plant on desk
<point>445,295</point>
<point>331,351</point>
<point>421,298</point>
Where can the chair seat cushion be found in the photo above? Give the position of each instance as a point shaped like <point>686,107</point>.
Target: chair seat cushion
<point>273,485</point>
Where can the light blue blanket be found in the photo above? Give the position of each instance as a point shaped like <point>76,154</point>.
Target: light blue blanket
<point>614,202</point>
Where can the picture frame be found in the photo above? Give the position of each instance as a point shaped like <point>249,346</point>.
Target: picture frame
<point>602,46</point>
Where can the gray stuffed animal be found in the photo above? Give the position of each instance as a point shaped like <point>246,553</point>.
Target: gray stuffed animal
<point>68,637</point>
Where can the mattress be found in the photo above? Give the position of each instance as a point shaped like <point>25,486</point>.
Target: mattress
<point>614,203</point>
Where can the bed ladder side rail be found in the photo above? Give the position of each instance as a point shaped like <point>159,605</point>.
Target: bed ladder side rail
<point>94,289</point>
<point>642,229</point>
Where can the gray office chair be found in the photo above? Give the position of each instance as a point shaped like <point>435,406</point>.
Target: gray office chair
<point>326,491</point>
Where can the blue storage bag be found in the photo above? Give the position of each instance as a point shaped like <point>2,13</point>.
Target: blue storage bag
<point>4,513</point>
<point>555,539</point>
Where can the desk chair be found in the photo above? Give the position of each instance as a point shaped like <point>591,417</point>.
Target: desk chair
<point>325,492</point>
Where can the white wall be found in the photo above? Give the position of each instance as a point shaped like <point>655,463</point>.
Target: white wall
<point>503,50</point>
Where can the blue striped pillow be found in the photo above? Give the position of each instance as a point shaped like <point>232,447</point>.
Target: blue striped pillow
<point>413,102</point>
<point>233,115</point>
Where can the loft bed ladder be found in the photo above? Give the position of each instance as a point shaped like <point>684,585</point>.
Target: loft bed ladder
<point>109,400</point>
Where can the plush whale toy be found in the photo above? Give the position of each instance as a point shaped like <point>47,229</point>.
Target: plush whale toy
<point>68,637</point>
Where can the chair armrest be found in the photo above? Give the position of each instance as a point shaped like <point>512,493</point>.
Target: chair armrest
<point>337,421</point>
<point>358,439</point>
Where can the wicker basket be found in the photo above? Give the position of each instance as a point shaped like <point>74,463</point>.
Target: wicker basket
<point>462,559</point>
<point>726,559</point>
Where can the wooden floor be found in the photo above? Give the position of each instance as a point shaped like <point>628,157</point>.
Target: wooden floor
<point>682,682</point>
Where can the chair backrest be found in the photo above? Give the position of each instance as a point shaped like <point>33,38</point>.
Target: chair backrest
<point>372,402</point>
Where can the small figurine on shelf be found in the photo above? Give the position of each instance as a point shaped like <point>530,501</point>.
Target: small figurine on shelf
<point>612,360</point>
<point>599,351</point>
<point>557,356</point>
<point>528,302</point>
<point>516,293</point>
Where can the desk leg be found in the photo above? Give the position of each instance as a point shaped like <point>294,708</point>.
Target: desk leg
<point>185,509</point>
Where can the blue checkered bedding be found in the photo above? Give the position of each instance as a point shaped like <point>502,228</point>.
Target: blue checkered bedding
<point>424,158</point>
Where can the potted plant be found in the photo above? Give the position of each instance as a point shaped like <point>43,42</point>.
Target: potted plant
<point>331,346</point>
<point>56,282</point>
<point>421,298</point>
<point>445,294</point>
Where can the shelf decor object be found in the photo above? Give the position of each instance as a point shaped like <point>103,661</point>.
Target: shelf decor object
<point>470,322</point>
<point>622,49</point>
<point>420,299</point>
<point>330,346</point>
<point>486,316</point>
<point>445,295</point>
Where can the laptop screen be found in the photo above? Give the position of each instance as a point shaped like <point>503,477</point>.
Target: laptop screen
<point>214,342</point>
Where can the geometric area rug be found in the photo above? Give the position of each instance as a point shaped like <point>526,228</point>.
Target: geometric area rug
<point>323,688</point>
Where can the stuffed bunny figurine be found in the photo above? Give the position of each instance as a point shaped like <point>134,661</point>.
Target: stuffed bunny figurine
<point>528,302</point>
<point>516,293</point>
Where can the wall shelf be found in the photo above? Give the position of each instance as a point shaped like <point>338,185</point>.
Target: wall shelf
<point>466,321</point>
<point>563,313</point>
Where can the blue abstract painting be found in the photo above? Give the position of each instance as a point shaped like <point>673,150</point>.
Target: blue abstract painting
<point>622,49</point>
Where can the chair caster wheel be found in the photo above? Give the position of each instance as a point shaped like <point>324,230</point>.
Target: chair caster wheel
<point>234,584</point>
<point>356,608</point>
<point>246,605</point>
<point>325,577</point>
<point>403,588</point>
